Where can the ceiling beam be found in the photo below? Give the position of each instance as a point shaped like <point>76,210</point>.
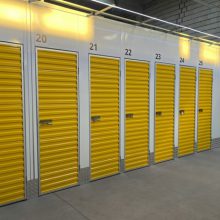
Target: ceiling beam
<point>103,10</point>
<point>108,1</point>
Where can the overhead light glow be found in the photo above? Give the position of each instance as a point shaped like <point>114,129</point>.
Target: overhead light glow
<point>12,14</point>
<point>209,53</point>
<point>184,47</point>
<point>75,25</point>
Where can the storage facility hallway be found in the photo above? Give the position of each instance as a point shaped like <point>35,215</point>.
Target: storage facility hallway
<point>187,188</point>
<point>109,110</point>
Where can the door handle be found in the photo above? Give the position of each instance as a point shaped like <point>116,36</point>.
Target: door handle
<point>46,122</point>
<point>158,113</point>
<point>200,110</point>
<point>129,115</point>
<point>96,118</point>
<point>182,112</point>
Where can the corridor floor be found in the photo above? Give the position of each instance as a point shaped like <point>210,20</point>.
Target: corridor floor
<point>184,189</point>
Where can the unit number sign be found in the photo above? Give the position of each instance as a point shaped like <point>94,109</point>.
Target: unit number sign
<point>158,56</point>
<point>93,46</point>
<point>128,52</point>
<point>182,60</point>
<point>41,38</point>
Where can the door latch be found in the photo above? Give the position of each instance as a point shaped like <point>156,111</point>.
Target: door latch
<point>96,118</point>
<point>182,112</point>
<point>46,122</point>
<point>158,113</point>
<point>129,115</point>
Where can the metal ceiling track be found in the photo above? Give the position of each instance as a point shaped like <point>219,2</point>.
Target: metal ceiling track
<point>176,29</point>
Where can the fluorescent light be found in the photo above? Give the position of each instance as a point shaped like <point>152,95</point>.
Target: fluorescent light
<point>156,19</point>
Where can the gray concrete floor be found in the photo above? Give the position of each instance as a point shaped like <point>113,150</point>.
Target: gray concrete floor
<point>184,189</point>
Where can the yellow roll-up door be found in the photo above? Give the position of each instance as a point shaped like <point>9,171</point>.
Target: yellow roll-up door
<point>12,180</point>
<point>187,110</point>
<point>137,115</point>
<point>58,119</point>
<point>164,112</point>
<point>104,139</point>
<point>205,109</point>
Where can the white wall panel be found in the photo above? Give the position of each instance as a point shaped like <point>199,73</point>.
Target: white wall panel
<point>216,103</point>
<point>107,36</point>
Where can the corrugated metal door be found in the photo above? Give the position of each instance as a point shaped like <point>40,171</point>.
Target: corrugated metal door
<point>58,119</point>
<point>137,115</point>
<point>205,109</point>
<point>164,115</point>
<point>12,180</point>
<point>187,110</point>
<point>104,139</point>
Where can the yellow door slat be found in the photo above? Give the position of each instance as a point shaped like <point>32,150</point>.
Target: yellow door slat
<point>205,109</point>
<point>164,112</point>
<point>58,104</point>
<point>136,122</point>
<point>187,110</point>
<point>12,179</point>
<point>104,140</point>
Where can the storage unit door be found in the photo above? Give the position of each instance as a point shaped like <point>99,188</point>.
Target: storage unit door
<point>187,110</point>
<point>205,109</point>
<point>58,120</point>
<point>164,115</point>
<point>12,180</point>
<point>137,115</point>
<point>104,132</point>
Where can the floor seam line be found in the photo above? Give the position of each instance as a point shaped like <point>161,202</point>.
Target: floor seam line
<point>74,208</point>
